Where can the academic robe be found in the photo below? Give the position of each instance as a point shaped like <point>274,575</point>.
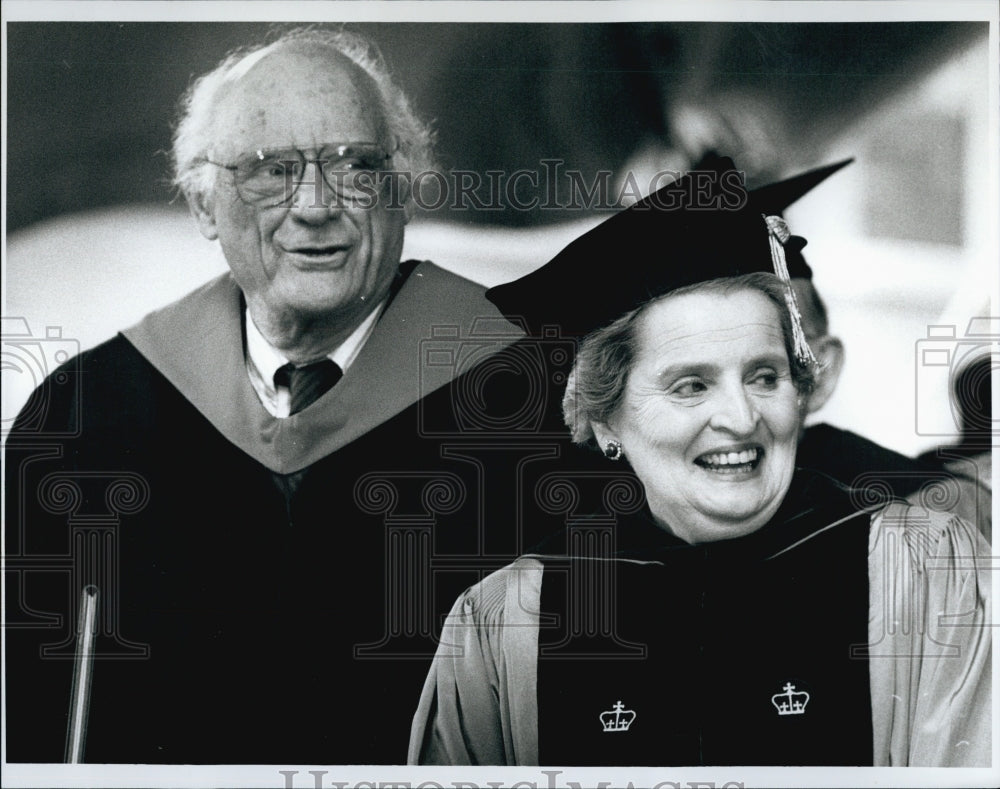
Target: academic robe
<point>834,635</point>
<point>945,480</point>
<point>270,590</point>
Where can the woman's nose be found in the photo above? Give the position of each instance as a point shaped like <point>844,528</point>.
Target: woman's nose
<point>735,412</point>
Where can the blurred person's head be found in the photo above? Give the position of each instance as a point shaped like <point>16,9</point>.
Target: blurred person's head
<point>828,349</point>
<point>974,364</point>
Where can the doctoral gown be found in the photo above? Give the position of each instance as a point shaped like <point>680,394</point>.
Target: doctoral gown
<point>269,590</point>
<point>944,480</point>
<point>838,634</point>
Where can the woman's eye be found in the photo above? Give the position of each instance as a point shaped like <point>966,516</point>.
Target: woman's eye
<point>690,388</point>
<point>767,379</point>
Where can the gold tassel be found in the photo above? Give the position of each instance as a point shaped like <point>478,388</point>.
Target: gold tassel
<point>777,235</point>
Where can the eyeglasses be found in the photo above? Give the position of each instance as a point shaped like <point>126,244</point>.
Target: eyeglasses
<point>267,178</point>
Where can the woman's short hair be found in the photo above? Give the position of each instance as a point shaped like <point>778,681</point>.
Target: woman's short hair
<point>192,131</point>
<point>604,359</point>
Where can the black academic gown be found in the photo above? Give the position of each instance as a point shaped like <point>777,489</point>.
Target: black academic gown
<point>861,463</point>
<point>240,622</point>
<point>944,480</point>
<point>703,643</point>
<point>833,635</point>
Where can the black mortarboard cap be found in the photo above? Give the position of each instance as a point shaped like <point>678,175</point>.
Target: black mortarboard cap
<point>773,199</point>
<point>704,226</point>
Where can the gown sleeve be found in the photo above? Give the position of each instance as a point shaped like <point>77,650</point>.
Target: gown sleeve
<point>929,634</point>
<point>479,702</point>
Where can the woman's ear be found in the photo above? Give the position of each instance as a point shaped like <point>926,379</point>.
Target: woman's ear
<point>829,353</point>
<point>604,434</point>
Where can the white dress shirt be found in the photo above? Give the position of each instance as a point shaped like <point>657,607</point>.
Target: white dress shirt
<point>263,360</point>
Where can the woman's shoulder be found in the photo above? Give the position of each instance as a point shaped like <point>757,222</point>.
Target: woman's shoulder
<point>926,533</point>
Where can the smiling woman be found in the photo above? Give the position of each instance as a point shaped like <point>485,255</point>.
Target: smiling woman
<point>748,611</point>
<point>709,416</point>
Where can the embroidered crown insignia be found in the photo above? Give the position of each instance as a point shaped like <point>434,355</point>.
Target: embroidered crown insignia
<point>790,702</point>
<point>618,718</point>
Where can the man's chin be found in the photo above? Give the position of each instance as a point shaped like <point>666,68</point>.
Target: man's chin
<point>313,290</point>
<point>310,305</point>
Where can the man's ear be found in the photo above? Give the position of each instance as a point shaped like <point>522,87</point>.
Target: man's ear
<point>202,208</point>
<point>406,195</point>
<point>829,353</point>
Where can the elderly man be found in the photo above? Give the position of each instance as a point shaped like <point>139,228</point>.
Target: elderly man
<point>225,473</point>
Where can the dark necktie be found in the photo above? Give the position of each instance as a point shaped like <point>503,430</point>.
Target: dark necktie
<point>307,384</point>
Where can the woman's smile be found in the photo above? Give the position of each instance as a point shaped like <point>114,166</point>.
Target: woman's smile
<point>732,462</point>
<point>709,418</point>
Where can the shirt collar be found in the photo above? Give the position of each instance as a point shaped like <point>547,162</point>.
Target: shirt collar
<point>197,344</point>
<point>264,359</point>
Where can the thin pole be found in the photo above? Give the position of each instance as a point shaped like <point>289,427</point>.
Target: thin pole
<point>83,663</point>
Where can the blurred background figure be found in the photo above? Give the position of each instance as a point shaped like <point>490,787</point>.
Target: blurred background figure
<point>972,364</point>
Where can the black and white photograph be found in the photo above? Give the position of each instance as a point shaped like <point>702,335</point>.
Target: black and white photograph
<point>531,394</point>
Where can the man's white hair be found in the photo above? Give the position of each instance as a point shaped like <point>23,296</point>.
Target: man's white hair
<point>192,133</point>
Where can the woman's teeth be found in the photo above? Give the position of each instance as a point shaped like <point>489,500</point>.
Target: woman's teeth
<point>725,460</point>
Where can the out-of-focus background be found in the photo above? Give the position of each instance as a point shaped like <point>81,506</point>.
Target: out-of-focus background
<point>899,241</point>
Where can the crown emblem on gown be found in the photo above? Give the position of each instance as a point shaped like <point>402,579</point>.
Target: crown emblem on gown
<point>618,718</point>
<point>790,702</point>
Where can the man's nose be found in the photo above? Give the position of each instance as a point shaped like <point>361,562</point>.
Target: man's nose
<point>314,201</point>
<point>735,412</point>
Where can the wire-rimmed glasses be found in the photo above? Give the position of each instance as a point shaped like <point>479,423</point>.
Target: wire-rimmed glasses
<point>271,177</point>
